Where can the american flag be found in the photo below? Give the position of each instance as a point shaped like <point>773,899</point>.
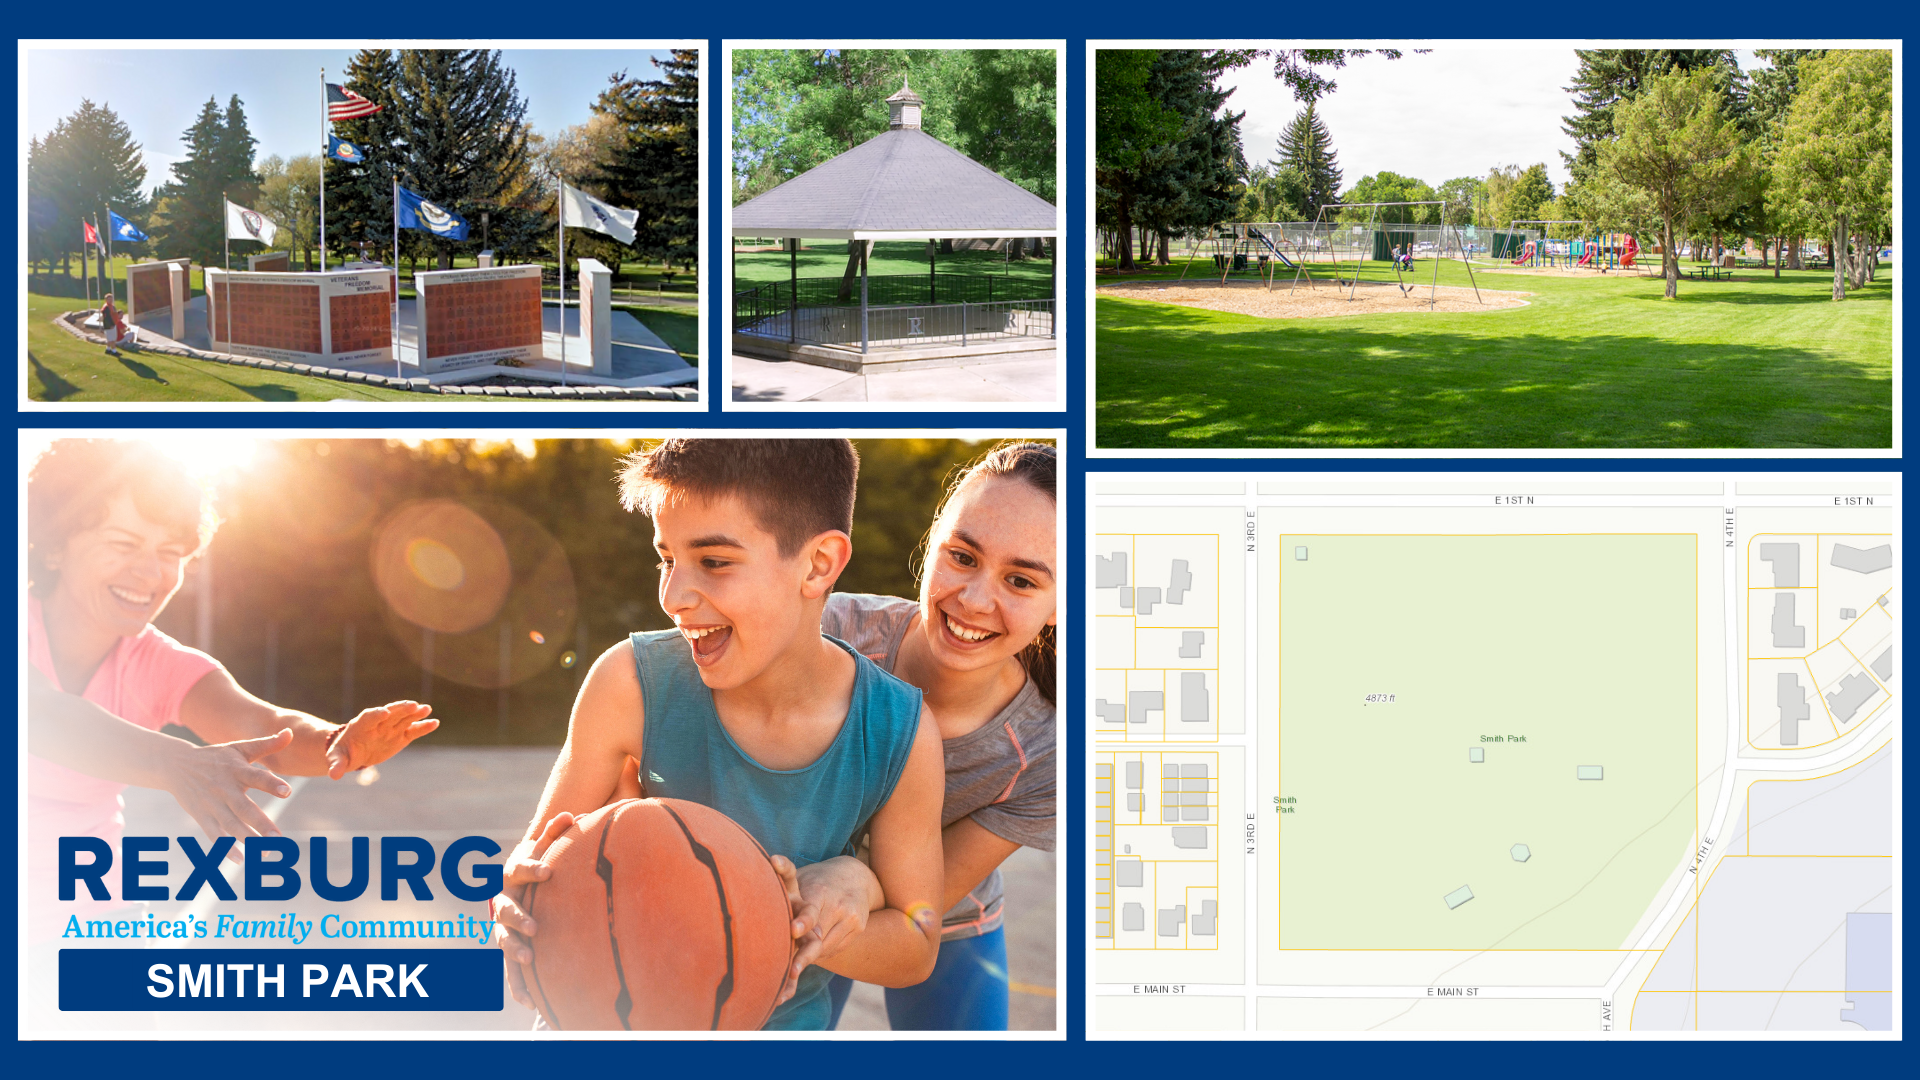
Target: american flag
<point>344,104</point>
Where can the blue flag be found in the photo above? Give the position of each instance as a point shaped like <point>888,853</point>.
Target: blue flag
<point>123,229</point>
<point>415,212</point>
<point>340,149</point>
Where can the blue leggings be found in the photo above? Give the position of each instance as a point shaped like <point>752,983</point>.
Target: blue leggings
<point>966,992</point>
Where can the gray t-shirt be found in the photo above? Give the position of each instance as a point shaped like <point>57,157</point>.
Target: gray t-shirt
<point>1000,774</point>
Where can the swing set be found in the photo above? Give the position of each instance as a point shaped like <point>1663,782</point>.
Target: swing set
<point>1377,240</point>
<point>1245,246</point>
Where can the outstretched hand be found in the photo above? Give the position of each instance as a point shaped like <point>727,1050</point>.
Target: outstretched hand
<point>513,928</point>
<point>211,783</point>
<point>376,735</point>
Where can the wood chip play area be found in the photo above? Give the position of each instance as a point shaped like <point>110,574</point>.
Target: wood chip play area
<point>1323,301</point>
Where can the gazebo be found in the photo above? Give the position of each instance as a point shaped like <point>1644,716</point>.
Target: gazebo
<point>902,184</point>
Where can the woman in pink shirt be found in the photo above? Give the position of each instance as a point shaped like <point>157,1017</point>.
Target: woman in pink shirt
<point>111,526</point>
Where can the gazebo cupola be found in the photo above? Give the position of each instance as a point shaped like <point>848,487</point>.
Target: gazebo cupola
<point>903,108</point>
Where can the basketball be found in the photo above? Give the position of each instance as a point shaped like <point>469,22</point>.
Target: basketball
<point>661,915</point>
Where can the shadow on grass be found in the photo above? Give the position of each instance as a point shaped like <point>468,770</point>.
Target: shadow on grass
<point>1161,383</point>
<point>61,285</point>
<point>52,386</point>
<point>264,392</point>
<point>1705,293</point>
<point>141,369</point>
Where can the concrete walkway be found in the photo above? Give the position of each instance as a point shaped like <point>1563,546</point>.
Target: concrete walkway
<point>1027,376</point>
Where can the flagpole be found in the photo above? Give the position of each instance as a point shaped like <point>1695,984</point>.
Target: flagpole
<point>108,284</point>
<point>323,175</point>
<point>562,208</point>
<point>227,276</point>
<point>396,283</point>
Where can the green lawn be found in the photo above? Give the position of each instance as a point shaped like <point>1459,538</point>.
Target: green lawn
<point>61,367</point>
<point>1591,363</point>
<point>678,327</point>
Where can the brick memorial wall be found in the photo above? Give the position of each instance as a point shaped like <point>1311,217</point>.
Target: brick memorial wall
<point>276,316</point>
<point>148,290</point>
<point>277,262</point>
<point>473,317</point>
<point>360,322</point>
<point>341,317</point>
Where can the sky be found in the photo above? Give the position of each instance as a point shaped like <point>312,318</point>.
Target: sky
<point>159,92</point>
<point>1435,116</point>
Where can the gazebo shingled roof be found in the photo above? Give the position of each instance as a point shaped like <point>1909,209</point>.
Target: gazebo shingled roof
<point>902,184</point>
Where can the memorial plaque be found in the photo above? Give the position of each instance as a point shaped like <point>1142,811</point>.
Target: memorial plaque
<point>472,317</point>
<point>360,322</point>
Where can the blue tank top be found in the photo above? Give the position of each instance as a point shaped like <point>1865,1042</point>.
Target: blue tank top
<point>809,814</point>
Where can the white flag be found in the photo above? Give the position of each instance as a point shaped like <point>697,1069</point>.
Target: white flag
<point>581,210</point>
<point>244,224</point>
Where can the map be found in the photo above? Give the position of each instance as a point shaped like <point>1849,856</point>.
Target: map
<point>1535,758</point>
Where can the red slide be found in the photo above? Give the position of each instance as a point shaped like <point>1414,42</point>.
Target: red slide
<point>1633,248</point>
<point>1525,254</point>
<point>1588,257</point>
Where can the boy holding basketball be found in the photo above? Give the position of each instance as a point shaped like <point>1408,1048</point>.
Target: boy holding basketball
<point>747,708</point>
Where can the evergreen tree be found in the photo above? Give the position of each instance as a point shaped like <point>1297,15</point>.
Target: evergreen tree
<point>451,125</point>
<point>1306,147</point>
<point>655,166</point>
<point>1608,77</point>
<point>1195,181</point>
<point>1169,155</point>
<point>194,225</point>
<point>236,154</point>
<point>463,135</point>
<point>359,198</point>
<point>86,165</point>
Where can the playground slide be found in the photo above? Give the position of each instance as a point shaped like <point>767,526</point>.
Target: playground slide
<point>1526,253</point>
<point>1588,257</point>
<point>1633,248</point>
<point>1284,261</point>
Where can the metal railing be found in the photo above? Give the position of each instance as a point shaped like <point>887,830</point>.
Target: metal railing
<point>903,325</point>
<point>884,290</point>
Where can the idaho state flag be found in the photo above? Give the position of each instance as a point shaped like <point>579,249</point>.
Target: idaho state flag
<point>340,149</point>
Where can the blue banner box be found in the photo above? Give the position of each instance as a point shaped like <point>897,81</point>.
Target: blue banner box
<point>282,980</point>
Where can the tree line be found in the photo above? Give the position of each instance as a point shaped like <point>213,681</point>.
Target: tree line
<point>1679,145</point>
<point>452,127</point>
<point>298,613</point>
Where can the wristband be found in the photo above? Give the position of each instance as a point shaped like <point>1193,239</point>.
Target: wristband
<point>333,737</point>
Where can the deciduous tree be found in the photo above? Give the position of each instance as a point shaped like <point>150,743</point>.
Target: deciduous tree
<point>1675,143</point>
